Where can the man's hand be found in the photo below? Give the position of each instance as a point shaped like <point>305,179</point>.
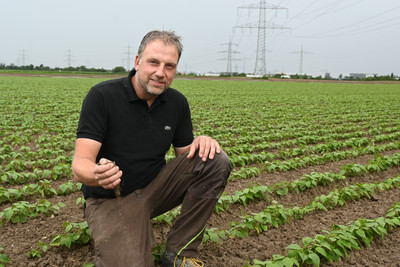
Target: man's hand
<point>206,146</point>
<point>107,174</point>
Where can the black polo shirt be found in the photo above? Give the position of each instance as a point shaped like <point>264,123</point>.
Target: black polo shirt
<point>133,135</point>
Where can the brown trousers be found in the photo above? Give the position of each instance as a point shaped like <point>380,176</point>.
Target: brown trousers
<point>121,228</point>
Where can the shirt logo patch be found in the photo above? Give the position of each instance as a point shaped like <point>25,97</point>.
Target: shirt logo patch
<point>167,128</point>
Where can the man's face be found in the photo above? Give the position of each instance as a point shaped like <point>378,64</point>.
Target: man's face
<point>156,68</point>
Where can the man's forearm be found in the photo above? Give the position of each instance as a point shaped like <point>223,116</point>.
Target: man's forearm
<point>83,171</point>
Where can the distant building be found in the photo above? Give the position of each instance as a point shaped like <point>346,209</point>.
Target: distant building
<point>356,76</point>
<point>327,75</point>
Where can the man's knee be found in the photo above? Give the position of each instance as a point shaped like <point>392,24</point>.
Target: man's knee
<point>223,163</point>
<point>212,179</point>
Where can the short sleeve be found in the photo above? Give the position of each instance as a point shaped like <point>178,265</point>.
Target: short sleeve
<point>184,132</point>
<point>93,117</point>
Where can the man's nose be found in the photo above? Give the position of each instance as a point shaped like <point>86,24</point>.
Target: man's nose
<point>160,71</point>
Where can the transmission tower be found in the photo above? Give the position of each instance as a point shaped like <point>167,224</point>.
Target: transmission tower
<point>128,57</point>
<point>69,57</point>
<point>301,52</point>
<point>230,51</point>
<point>23,55</point>
<point>260,66</point>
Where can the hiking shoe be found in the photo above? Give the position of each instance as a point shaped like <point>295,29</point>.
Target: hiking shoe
<point>170,259</point>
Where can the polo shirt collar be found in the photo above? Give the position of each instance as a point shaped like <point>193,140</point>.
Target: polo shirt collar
<point>131,91</point>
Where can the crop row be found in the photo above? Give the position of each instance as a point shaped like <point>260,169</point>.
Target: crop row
<point>56,172</point>
<point>43,188</point>
<point>276,214</point>
<point>307,181</point>
<point>248,133</point>
<point>20,211</point>
<point>335,243</point>
<point>352,139</point>
<point>331,149</point>
<point>301,136</point>
<point>379,163</point>
<point>325,115</point>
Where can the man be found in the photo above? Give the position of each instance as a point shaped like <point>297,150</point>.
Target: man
<point>126,127</point>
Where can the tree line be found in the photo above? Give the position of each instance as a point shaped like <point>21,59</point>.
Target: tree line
<point>41,67</point>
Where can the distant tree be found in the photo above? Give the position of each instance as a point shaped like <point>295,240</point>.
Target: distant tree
<point>118,69</point>
<point>82,68</point>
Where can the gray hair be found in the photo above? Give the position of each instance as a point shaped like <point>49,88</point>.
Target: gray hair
<point>168,37</point>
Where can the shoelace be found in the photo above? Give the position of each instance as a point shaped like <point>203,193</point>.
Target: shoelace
<point>195,261</point>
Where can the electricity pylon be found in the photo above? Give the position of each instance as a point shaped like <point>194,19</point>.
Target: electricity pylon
<point>260,66</point>
<point>129,57</point>
<point>23,55</point>
<point>69,57</point>
<point>230,51</point>
<point>301,52</point>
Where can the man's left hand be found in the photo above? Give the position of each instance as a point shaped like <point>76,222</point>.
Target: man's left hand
<point>206,146</point>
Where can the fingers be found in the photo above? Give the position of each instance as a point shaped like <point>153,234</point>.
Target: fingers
<point>214,148</point>
<point>107,174</point>
<point>206,146</point>
<point>192,151</point>
<point>204,149</point>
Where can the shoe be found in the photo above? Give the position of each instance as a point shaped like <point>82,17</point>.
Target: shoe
<point>170,259</point>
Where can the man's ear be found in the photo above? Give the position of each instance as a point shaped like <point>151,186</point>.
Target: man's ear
<point>137,62</point>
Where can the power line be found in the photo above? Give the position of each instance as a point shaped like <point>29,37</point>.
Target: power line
<point>346,27</point>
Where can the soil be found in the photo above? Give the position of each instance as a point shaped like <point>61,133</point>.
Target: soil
<point>18,239</point>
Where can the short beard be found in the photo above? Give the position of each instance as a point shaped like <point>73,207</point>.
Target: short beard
<point>145,87</point>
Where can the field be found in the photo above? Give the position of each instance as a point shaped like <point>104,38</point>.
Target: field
<point>316,178</point>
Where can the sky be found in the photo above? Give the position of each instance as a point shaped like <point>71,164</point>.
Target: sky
<point>336,36</point>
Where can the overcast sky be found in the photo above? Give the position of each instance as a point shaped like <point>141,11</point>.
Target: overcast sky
<point>338,36</point>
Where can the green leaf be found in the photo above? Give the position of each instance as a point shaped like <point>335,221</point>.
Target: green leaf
<point>322,207</point>
<point>8,213</point>
<point>315,259</point>
<point>361,233</point>
<point>294,247</point>
<point>321,251</point>
<point>289,262</point>
<point>68,228</point>
<point>4,258</point>
<point>307,240</point>
<point>396,221</point>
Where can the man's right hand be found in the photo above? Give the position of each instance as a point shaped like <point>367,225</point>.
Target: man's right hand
<point>107,174</point>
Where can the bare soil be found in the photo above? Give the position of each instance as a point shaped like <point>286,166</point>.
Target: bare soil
<point>18,239</point>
